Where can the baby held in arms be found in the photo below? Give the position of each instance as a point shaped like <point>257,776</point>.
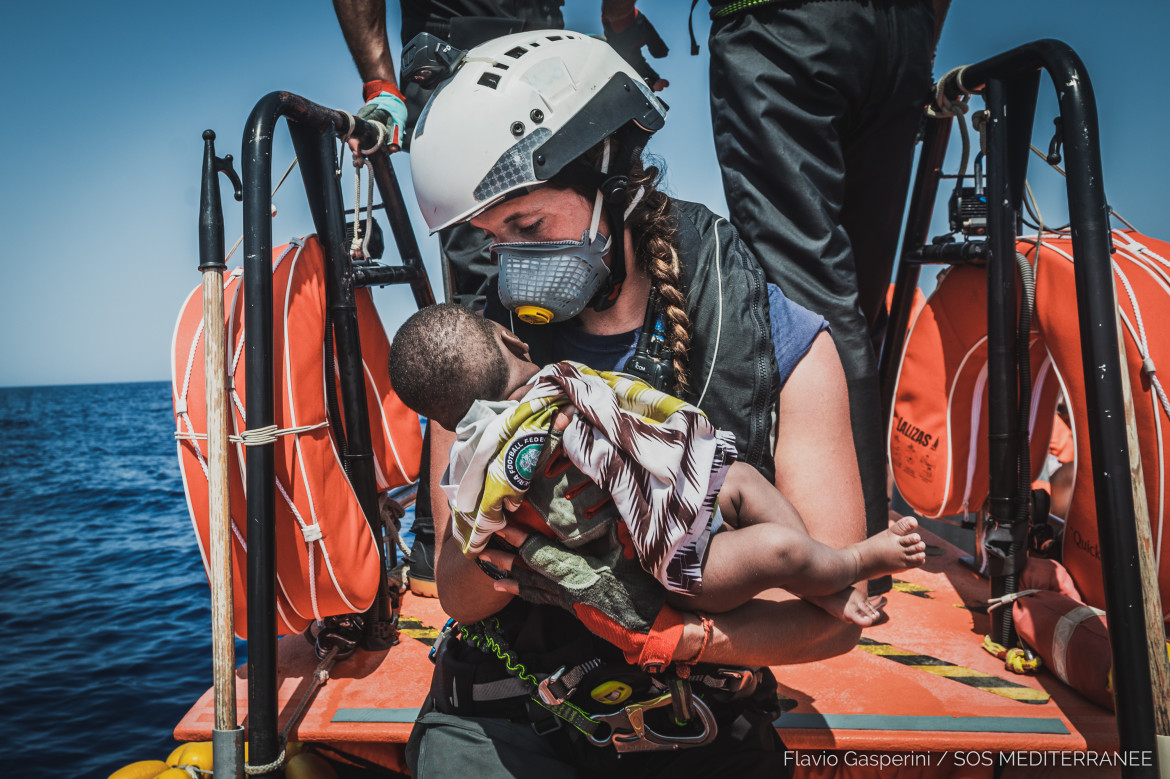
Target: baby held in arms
<point>712,531</point>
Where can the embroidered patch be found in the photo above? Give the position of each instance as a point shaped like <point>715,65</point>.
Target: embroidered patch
<point>521,458</point>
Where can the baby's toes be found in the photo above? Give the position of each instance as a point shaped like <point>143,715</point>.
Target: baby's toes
<point>904,526</point>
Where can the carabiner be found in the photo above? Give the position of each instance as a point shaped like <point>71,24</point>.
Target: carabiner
<point>630,733</point>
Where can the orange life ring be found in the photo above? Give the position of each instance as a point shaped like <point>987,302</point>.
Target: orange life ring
<point>1142,281</point>
<point>937,436</point>
<point>326,555</point>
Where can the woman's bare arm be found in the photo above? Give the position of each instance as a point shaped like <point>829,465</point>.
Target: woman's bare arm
<point>816,470</point>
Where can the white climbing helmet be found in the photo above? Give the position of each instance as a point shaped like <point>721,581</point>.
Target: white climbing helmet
<point>517,110</point>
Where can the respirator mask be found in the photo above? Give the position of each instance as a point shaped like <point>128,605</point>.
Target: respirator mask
<point>551,281</point>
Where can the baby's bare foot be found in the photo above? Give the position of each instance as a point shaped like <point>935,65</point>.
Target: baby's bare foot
<point>895,549</point>
<point>864,612</point>
<point>850,605</point>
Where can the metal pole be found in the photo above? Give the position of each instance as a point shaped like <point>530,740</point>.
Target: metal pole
<point>1002,400</point>
<point>395,209</point>
<point>257,150</point>
<point>227,737</point>
<point>1097,303</point>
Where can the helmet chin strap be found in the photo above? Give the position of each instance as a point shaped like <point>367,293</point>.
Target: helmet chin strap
<point>612,192</point>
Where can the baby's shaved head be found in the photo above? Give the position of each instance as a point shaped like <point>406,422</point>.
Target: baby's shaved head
<point>443,359</point>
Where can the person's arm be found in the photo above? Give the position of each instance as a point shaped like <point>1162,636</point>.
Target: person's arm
<point>816,469</point>
<point>465,591</point>
<point>363,23</point>
<point>628,31</point>
<point>619,11</point>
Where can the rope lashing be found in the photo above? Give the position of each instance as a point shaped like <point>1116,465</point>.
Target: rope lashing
<point>390,511</point>
<point>1016,659</point>
<point>320,676</point>
<point>1004,600</point>
<point>267,768</point>
<point>256,437</point>
<point>1148,369</point>
<point>944,106</point>
<point>350,124</point>
<point>383,134</point>
<point>359,247</point>
<point>979,122</point>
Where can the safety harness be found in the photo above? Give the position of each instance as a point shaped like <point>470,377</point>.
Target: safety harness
<point>626,728</point>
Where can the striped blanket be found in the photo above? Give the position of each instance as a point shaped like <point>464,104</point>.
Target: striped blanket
<point>659,457</point>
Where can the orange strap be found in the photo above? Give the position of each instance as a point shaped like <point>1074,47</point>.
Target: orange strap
<point>372,89</point>
<point>658,651</point>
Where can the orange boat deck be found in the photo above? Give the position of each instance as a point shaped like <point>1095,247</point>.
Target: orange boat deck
<point>919,683</point>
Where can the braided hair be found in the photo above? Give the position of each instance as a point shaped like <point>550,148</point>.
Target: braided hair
<point>653,230</point>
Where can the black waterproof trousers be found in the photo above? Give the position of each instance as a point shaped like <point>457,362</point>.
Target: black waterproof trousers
<point>816,106</point>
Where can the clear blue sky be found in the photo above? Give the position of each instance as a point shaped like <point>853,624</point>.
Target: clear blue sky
<point>105,103</point>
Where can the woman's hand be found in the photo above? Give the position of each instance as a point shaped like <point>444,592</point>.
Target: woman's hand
<point>503,560</point>
<point>611,595</point>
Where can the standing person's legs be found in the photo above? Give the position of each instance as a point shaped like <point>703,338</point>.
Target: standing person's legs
<point>789,94</point>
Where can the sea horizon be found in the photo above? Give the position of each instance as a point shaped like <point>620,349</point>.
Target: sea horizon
<point>84,384</point>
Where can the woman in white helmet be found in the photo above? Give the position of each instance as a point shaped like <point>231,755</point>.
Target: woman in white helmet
<point>537,139</point>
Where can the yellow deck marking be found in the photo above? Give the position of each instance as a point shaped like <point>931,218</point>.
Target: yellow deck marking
<point>917,590</point>
<point>408,626</point>
<point>958,673</point>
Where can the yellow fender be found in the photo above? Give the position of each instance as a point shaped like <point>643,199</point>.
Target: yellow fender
<point>143,769</point>
<point>195,753</point>
<point>198,755</point>
<point>308,766</point>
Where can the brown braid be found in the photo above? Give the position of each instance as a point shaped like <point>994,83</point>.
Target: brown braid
<point>653,231</point>
<point>652,228</point>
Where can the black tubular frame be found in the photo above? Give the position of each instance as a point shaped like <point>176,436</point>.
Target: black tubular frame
<point>1009,84</point>
<point>314,131</point>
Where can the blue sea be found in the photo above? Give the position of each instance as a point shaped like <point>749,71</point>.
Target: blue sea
<point>105,613</point>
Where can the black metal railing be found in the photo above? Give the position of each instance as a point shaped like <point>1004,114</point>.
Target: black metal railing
<point>314,130</point>
<point>1009,84</point>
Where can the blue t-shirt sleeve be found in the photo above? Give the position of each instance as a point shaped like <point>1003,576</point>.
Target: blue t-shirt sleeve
<point>793,329</point>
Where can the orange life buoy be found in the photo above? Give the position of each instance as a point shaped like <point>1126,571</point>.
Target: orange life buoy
<point>937,437</point>
<point>1141,271</point>
<point>326,555</point>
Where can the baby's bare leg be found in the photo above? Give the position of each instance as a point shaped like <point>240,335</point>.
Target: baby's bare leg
<point>763,555</point>
<point>748,499</point>
<point>742,563</point>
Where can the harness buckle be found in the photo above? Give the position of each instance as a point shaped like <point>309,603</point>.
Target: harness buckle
<point>736,679</point>
<point>629,731</point>
<point>547,695</point>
